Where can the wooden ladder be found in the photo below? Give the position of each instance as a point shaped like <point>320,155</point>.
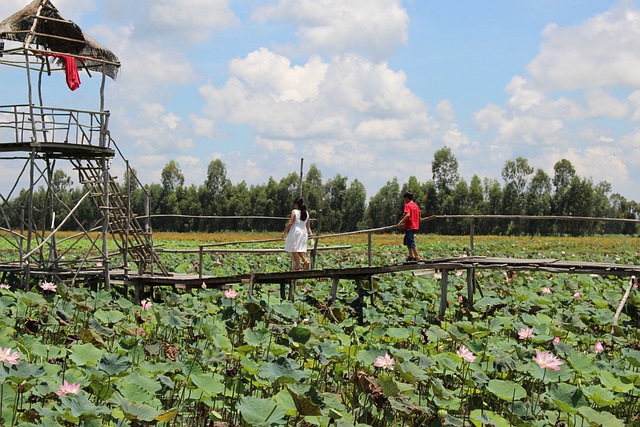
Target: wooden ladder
<point>128,233</point>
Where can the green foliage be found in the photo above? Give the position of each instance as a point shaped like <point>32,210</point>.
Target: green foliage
<point>201,358</point>
<point>340,205</point>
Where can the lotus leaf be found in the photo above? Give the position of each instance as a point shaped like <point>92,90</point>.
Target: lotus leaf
<point>261,412</point>
<point>582,363</point>
<point>600,395</point>
<point>113,364</point>
<point>632,356</point>
<point>299,334</point>
<point>506,390</point>
<point>286,309</point>
<point>282,368</point>
<point>135,411</point>
<point>567,397</point>
<point>208,383</point>
<point>108,316</point>
<point>306,399</point>
<point>257,337</point>
<point>487,418</point>
<point>80,407</point>
<point>600,418</point>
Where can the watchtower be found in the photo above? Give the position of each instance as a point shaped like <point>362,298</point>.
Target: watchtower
<point>43,139</point>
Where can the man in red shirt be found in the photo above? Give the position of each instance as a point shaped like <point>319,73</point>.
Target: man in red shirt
<point>411,222</point>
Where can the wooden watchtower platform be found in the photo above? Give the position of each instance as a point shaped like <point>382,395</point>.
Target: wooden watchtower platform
<point>42,138</point>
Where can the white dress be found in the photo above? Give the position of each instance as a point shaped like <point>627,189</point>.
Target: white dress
<point>297,237</point>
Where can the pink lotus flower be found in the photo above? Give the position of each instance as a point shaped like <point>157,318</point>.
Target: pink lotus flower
<point>556,340</point>
<point>66,388</point>
<point>598,348</point>
<point>4,286</point>
<point>7,357</point>
<point>576,296</point>
<point>459,273</point>
<point>203,286</point>
<point>466,354</point>
<point>547,290</point>
<point>525,333</point>
<point>547,360</point>
<point>384,362</point>
<point>49,286</point>
<point>146,305</point>
<point>230,293</point>
<point>437,276</point>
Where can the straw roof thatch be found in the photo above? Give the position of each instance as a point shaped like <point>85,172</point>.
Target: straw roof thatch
<point>40,24</point>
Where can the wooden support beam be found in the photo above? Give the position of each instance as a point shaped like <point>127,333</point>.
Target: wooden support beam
<point>444,283</point>
<point>334,289</point>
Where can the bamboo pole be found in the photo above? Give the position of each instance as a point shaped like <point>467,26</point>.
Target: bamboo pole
<point>632,282</point>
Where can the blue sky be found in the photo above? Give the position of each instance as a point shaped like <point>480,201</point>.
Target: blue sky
<point>367,89</point>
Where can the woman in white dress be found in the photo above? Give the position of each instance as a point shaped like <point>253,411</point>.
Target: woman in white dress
<point>299,231</point>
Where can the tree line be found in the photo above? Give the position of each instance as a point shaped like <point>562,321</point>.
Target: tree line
<point>339,204</point>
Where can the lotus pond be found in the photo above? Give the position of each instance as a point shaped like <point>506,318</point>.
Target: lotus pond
<point>535,349</point>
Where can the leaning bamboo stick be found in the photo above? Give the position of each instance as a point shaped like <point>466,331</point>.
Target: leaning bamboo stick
<point>632,282</point>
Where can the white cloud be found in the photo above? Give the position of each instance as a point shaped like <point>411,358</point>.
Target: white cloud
<point>370,27</point>
<point>276,146</point>
<point>202,126</point>
<point>571,105</point>
<point>597,53</point>
<point>171,120</point>
<point>190,19</point>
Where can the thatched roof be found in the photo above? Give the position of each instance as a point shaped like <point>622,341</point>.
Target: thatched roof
<point>53,33</point>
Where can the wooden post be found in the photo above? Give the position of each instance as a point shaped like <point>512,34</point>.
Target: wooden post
<point>314,251</point>
<point>315,243</point>
<point>470,286</point>
<point>470,271</point>
<point>127,228</point>
<point>369,254</point>
<point>444,282</point>
<point>105,226</point>
<point>334,289</point>
<point>360,300</point>
<point>471,232</point>
<point>301,163</point>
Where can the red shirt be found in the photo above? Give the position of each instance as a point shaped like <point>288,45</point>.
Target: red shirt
<point>413,222</point>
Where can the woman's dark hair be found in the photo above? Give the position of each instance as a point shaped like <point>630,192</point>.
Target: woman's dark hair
<point>302,206</point>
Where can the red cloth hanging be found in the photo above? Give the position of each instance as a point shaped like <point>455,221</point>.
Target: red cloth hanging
<point>70,68</point>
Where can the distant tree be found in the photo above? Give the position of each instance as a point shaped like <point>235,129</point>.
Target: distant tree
<point>189,204</point>
<point>476,202</point>
<point>238,204</point>
<point>564,172</point>
<point>288,190</point>
<point>515,174</point>
<point>172,176</point>
<point>262,205</point>
<point>538,201</point>
<point>444,168</point>
<point>385,208</point>
<point>460,206</point>
<point>493,196</point>
<point>579,200</point>
<point>216,189</point>
<point>334,205</point>
<point>130,180</point>
<point>355,206</point>
<point>313,190</point>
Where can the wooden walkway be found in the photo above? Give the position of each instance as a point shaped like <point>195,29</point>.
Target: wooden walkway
<point>360,274</point>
